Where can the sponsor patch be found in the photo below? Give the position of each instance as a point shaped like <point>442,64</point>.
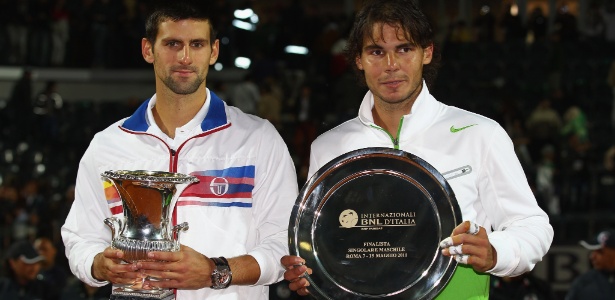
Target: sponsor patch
<point>227,187</point>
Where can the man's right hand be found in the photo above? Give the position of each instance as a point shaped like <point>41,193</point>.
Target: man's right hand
<point>108,266</point>
<point>295,273</point>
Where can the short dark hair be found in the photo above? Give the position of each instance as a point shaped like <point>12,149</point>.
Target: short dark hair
<point>403,14</point>
<point>175,10</point>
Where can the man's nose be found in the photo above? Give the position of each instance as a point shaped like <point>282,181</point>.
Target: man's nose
<point>392,61</point>
<point>185,56</point>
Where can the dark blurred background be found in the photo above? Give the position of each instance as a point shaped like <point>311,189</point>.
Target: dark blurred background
<point>542,68</point>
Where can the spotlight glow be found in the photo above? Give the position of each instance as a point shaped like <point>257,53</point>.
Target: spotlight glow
<point>242,62</point>
<point>244,25</point>
<point>514,10</point>
<point>254,19</point>
<point>243,13</point>
<point>296,50</point>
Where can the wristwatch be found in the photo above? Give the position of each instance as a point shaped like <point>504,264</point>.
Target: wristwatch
<point>221,276</point>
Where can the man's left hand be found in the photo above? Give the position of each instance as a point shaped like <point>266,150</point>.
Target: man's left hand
<point>469,244</point>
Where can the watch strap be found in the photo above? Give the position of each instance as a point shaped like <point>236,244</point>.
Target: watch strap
<point>220,261</point>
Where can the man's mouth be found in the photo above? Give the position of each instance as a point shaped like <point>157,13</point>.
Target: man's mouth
<point>392,83</point>
<point>183,71</point>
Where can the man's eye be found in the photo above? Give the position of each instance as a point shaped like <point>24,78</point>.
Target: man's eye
<point>377,52</point>
<point>197,45</point>
<point>405,49</point>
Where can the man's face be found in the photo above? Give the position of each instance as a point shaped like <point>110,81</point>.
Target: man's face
<point>393,66</point>
<point>24,272</point>
<point>603,259</point>
<point>181,55</point>
<point>47,250</point>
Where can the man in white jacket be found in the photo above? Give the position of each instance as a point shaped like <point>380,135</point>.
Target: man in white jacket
<point>185,128</point>
<point>391,45</point>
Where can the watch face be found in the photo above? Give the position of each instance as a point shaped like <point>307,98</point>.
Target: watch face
<point>225,277</point>
<point>221,277</point>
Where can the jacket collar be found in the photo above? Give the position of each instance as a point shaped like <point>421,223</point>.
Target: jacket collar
<point>216,116</point>
<point>422,114</point>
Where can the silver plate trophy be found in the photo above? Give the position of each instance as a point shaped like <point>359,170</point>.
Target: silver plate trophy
<point>147,200</point>
<point>369,224</point>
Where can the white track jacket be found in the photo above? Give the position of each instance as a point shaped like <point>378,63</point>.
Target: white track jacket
<point>248,216</point>
<point>477,158</point>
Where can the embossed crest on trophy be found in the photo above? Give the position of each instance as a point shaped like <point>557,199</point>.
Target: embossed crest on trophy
<point>147,200</point>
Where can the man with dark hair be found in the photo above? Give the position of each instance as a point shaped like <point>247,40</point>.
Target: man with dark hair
<point>598,283</point>
<point>505,232</point>
<point>22,266</point>
<point>186,128</point>
<point>51,271</point>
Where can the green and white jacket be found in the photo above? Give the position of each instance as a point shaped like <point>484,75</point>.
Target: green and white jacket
<point>476,156</point>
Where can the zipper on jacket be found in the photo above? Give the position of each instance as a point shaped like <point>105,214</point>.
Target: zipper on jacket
<point>172,164</point>
<point>173,152</point>
<point>394,140</point>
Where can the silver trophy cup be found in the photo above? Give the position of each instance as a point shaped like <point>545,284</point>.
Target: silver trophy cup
<point>147,199</point>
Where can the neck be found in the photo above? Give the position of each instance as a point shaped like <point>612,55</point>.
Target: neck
<point>174,111</point>
<point>388,115</point>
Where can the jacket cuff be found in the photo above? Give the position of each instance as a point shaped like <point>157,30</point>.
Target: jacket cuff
<point>507,254</point>
<point>269,273</point>
<point>89,262</point>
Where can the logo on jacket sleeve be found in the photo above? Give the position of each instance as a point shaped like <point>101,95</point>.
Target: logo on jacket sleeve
<point>113,197</point>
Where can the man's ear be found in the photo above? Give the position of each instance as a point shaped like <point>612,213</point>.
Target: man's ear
<point>357,61</point>
<point>215,51</point>
<point>427,54</point>
<point>147,50</point>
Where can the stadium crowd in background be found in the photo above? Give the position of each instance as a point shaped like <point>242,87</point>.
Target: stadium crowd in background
<point>513,70</point>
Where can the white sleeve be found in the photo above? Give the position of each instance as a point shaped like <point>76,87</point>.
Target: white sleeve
<point>275,193</point>
<point>314,164</point>
<point>84,232</point>
<point>522,234</point>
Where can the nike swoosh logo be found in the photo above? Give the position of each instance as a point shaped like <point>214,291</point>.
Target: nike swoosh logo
<point>453,129</point>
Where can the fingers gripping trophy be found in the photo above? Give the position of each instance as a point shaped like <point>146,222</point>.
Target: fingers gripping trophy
<point>148,198</point>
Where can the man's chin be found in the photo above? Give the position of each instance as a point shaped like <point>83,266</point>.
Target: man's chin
<point>395,99</point>
<point>183,88</point>
<point>184,92</point>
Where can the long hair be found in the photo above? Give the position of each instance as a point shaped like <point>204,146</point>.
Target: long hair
<point>176,10</point>
<point>403,14</point>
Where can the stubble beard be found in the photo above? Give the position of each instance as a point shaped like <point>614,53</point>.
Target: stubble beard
<point>183,88</point>
<point>394,103</point>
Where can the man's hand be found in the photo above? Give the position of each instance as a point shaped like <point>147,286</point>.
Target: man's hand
<point>470,245</point>
<point>108,266</point>
<point>295,273</point>
<point>184,269</point>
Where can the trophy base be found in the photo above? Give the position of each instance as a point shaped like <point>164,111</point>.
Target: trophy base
<point>120,294</point>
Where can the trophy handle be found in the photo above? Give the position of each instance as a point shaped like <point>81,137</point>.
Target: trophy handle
<point>115,230</point>
<point>179,227</point>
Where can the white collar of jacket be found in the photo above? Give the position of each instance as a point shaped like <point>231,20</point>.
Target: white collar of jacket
<point>425,103</point>
<point>215,117</point>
